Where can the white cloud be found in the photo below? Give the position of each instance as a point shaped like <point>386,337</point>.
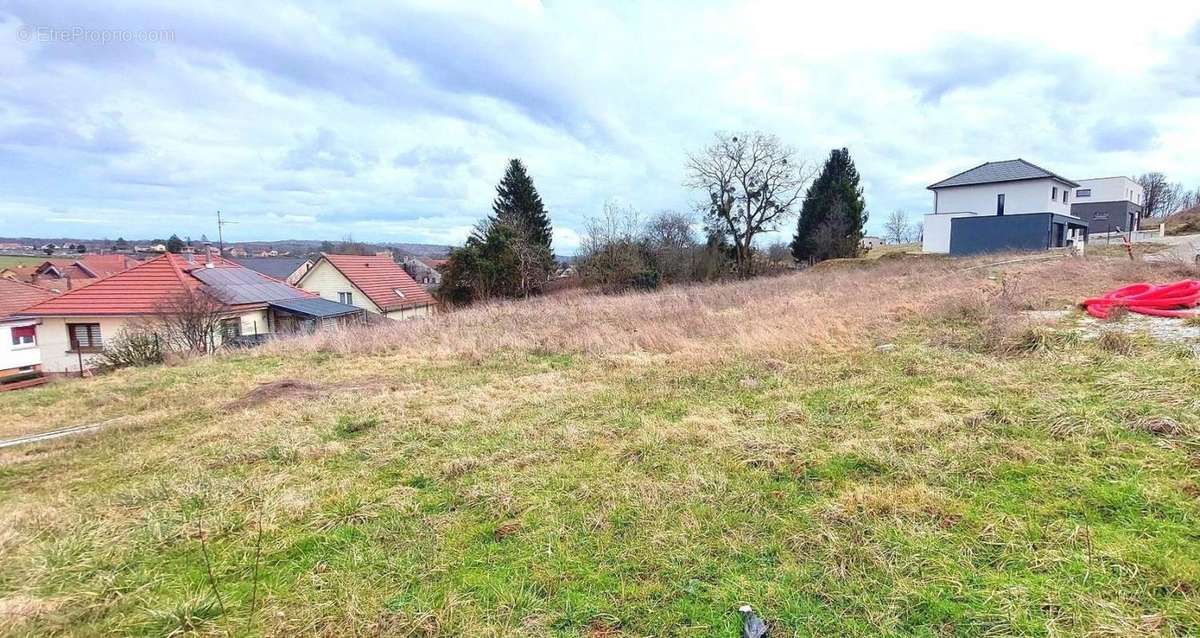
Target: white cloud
<point>395,122</point>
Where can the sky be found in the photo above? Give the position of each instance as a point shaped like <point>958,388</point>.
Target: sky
<point>394,122</point>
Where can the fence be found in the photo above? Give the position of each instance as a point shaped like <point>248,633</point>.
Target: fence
<point>1137,236</point>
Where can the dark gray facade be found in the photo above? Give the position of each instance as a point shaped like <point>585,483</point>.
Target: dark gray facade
<point>996,233</point>
<point>1107,217</point>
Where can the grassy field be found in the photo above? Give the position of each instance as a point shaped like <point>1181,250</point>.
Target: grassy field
<point>889,449</point>
<point>7,261</point>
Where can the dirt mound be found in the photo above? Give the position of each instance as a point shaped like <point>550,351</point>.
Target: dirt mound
<point>274,390</point>
<point>1185,222</point>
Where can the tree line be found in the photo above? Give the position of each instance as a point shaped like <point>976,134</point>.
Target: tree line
<point>1161,197</point>
<point>750,184</point>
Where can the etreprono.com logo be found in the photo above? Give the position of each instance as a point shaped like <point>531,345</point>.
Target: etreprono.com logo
<point>85,35</point>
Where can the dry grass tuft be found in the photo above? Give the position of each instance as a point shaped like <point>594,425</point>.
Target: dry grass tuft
<point>915,503</point>
<point>1116,342</point>
<point>18,609</point>
<point>1159,426</point>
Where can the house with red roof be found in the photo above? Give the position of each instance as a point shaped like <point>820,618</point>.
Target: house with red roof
<point>375,283</point>
<point>61,275</point>
<point>19,352</point>
<point>76,325</point>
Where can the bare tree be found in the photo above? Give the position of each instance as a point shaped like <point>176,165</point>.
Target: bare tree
<point>350,247</point>
<point>610,255</point>
<point>779,252</point>
<point>529,256</point>
<point>753,183</point>
<point>897,229</point>
<point>1159,197</point>
<point>189,320</point>
<point>1189,199</point>
<point>671,244</point>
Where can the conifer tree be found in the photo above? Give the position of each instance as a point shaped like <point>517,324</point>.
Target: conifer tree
<point>518,203</point>
<point>832,216</point>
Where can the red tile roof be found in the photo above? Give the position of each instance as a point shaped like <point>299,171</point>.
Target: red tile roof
<point>136,291</point>
<point>379,277</point>
<point>15,296</point>
<point>105,265</point>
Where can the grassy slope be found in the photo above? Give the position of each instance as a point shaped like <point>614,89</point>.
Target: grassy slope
<point>20,260</point>
<point>934,487</point>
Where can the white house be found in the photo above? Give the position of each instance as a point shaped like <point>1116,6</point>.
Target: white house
<point>375,283</point>
<point>74,328</point>
<point>19,351</point>
<point>1108,204</point>
<point>992,190</point>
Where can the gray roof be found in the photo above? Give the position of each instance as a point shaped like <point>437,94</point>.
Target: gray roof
<point>316,307</point>
<point>242,285</point>
<point>277,267</point>
<point>1006,171</point>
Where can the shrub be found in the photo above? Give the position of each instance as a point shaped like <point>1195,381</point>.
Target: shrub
<point>137,346</point>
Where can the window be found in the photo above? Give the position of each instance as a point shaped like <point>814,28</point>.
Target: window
<point>1065,191</point>
<point>24,336</point>
<point>1000,204</point>
<point>85,337</point>
<point>1053,193</point>
<point>399,293</point>
<point>1083,192</point>
<point>231,329</point>
<point>346,298</point>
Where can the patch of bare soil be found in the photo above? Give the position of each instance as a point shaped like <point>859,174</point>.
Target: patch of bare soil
<point>17,609</point>
<point>297,389</point>
<point>265,392</point>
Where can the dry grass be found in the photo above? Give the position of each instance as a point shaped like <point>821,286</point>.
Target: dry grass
<point>830,308</point>
<point>634,465</point>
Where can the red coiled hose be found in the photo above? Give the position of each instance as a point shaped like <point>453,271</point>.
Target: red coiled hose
<point>1148,299</point>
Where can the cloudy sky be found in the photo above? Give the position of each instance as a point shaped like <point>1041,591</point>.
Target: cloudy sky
<point>393,123</point>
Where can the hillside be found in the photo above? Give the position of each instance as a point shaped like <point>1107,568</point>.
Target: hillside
<point>1185,222</point>
<point>879,448</point>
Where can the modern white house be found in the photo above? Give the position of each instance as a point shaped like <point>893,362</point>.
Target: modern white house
<point>1008,205</point>
<point>1108,204</point>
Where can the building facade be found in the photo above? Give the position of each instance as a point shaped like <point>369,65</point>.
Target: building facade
<point>1109,204</point>
<point>74,328</point>
<point>374,283</point>
<point>1007,190</point>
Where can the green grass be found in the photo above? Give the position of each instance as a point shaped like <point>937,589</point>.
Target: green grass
<point>925,490</point>
<point>19,260</point>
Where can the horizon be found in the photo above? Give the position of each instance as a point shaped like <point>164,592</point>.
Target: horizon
<point>393,125</point>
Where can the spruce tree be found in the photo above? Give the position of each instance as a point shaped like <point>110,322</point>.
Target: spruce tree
<point>518,203</point>
<point>832,216</point>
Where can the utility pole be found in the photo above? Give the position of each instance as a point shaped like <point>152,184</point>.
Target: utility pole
<point>221,234</point>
